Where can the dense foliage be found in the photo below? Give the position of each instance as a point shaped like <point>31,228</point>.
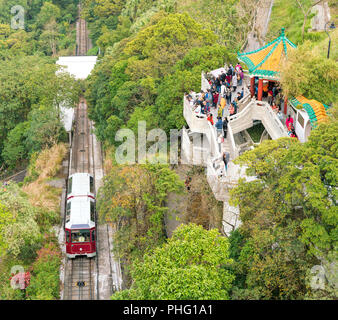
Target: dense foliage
<point>192,264</point>
<point>27,216</point>
<point>48,27</point>
<point>31,95</point>
<point>289,215</point>
<point>145,79</point>
<point>311,74</point>
<point>111,22</point>
<point>133,199</point>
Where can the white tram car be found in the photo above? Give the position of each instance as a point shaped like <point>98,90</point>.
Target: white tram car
<point>80,228</point>
<point>80,185</point>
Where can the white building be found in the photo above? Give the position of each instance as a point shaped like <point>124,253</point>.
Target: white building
<point>80,67</point>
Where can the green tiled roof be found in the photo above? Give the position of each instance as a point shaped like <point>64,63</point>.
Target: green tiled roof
<point>264,62</point>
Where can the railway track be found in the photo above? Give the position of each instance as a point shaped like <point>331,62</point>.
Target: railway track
<point>80,282</point>
<point>82,41</point>
<point>81,278</point>
<point>82,144</point>
<point>81,273</point>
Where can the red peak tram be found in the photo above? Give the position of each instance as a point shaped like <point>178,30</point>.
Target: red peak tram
<point>80,229</point>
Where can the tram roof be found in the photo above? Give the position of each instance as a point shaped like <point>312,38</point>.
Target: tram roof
<point>80,184</point>
<point>80,212</point>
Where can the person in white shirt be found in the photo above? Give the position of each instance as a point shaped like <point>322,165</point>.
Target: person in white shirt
<point>223,88</point>
<point>234,82</point>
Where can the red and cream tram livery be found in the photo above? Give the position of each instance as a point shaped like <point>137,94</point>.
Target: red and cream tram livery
<point>80,184</point>
<point>80,228</point>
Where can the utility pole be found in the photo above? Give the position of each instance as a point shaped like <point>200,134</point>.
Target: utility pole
<point>332,26</point>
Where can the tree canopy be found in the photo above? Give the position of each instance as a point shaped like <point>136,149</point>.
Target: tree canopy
<point>190,265</point>
<point>310,74</point>
<point>289,214</point>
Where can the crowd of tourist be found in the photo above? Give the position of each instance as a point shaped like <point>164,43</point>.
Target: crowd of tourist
<point>220,94</point>
<point>223,99</point>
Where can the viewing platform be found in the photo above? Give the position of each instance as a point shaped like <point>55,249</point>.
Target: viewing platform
<point>202,143</point>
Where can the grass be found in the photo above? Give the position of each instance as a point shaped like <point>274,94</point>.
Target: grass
<point>323,45</point>
<point>46,166</point>
<point>255,132</point>
<point>287,14</point>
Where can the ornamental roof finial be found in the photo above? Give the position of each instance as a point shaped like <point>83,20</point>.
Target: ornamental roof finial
<point>282,34</point>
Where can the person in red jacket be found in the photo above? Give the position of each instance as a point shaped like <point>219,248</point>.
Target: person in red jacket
<point>289,121</point>
<point>210,119</point>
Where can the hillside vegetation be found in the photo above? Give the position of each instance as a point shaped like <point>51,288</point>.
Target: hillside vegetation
<point>150,53</point>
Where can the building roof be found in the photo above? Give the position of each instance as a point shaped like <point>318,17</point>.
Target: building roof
<point>78,66</point>
<point>316,110</point>
<point>266,61</point>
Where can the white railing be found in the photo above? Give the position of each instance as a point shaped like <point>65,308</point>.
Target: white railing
<point>270,120</point>
<point>214,146</point>
<point>244,101</point>
<point>247,110</point>
<point>220,185</point>
<point>258,110</point>
<point>204,82</point>
<point>186,150</point>
<point>276,120</point>
<point>242,120</point>
<point>195,123</point>
<point>233,149</point>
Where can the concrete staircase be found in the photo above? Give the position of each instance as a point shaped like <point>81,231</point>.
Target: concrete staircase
<point>230,219</point>
<point>258,110</point>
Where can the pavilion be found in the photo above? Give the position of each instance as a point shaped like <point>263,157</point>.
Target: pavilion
<point>265,63</point>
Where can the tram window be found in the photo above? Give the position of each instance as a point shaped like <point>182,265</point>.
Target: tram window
<point>70,184</point>
<point>68,211</point>
<point>92,210</point>
<point>93,235</point>
<point>80,236</point>
<point>91,182</point>
<point>300,120</point>
<point>67,236</point>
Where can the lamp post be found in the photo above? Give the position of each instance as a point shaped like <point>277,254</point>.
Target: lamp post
<point>332,26</point>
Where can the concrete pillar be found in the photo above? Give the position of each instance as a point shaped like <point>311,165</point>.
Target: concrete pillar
<point>260,90</point>
<point>252,86</point>
<point>285,105</point>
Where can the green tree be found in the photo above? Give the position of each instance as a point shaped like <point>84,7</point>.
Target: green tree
<point>289,214</point>
<point>15,148</point>
<point>6,218</point>
<point>27,83</point>
<point>307,72</point>
<point>190,265</point>
<point>48,12</point>
<point>22,236</point>
<point>133,199</point>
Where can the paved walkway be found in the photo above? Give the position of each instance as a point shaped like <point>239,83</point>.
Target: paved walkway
<point>225,145</point>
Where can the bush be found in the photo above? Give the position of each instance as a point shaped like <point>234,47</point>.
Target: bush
<point>45,283</point>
